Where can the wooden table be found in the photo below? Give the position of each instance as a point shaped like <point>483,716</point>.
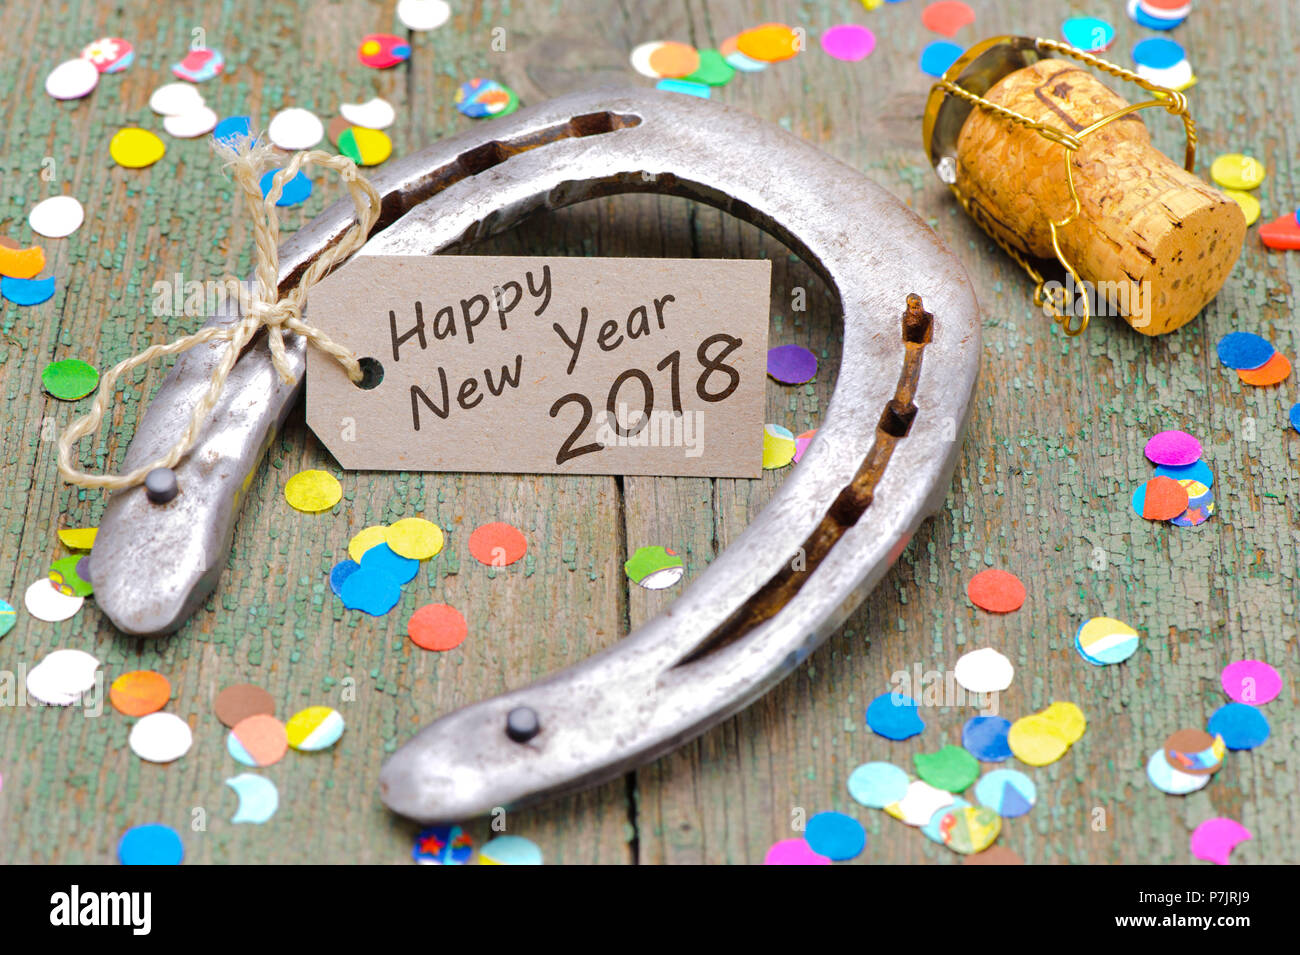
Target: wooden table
<point>1053,453</point>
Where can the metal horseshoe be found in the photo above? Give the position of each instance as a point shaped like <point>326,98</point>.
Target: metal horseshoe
<point>880,464</point>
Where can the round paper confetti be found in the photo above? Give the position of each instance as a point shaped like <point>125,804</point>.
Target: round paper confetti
<point>769,43</point>
<point>258,740</point>
<point>109,54</point>
<point>295,128</point>
<point>1244,351</point>
<point>313,491</point>
<point>685,87</point>
<point>136,148</point>
<point>1294,416</point>
<point>672,60</point>
<point>952,768</point>
<point>848,41</point>
<point>1105,640</point>
<point>199,65</point>
<point>1281,233</point>
<point>437,627</point>
<point>139,692</point>
<point>382,50</point>
<point>877,785</point>
<point>191,124</point>
<point>1173,447</point>
<point>72,79</point>
<point>1200,505</point>
<point>778,446</point>
<point>499,544</point>
<point>793,852</point>
<point>314,729</point>
<point>365,147</point>
<point>44,602</point>
<point>383,560</point>
<point>294,192</point>
<point>1067,719</point>
<point>231,129</point>
<point>423,15</point>
<point>1143,16</point>
<point>1198,471</point>
<point>479,99</point>
<point>161,738</point>
<point>1214,839</point>
<point>62,677</point>
<point>370,591</point>
<point>341,572</point>
<point>713,70</point>
<point>1158,53</point>
<point>1250,207</point>
<point>1241,726</point>
<point>175,99</point>
<point>801,443</point>
<point>1249,681</point>
<point>8,617</point>
<point>835,835</point>
<point>415,538</point>
<point>947,17</point>
<point>375,113</point>
<point>1235,171</point>
<point>1036,741</point>
<point>19,263</point>
<point>78,538</point>
<point>985,738</point>
<point>921,804</point>
<point>938,56</point>
<point>1160,499</point>
<point>365,539</point>
<point>894,716</point>
<point>56,217</point>
<point>1195,752</point>
<point>933,830</point>
<point>1089,34</point>
<point>791,364</point>
<point>970,830</point>
<point>27,291</point>
<point>237,703</point>
<point>984,671</point>
<point>1274,371</point>
<point>654,567</point>
<point>1008,792</point>
<point>66,580</point>
<point>640,58</point>
<point>510,850</point>
<point>1169,780</point>
<point>70,379</point>
<point>152,844</point>
<point>442,845</point>
<point>996,591</point>
<point>258,798</point>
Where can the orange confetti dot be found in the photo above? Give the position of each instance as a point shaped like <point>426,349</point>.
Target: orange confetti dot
<point>996,591</point>
<point>263,738</point>
<point>22,263</point>
<point>947,17</point>
<point>1274,371</point>
<point>497,544</point>
<point>140,692</point>
<point>437,627</point>
<point>673,60</point>
<point>770,42</point>
<point>1165,499</point>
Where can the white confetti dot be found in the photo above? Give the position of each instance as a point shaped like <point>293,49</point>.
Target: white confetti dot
<point>72,79</point>
<point>174,99</point>
<point>45,603</point>
<point>61,678</point>
<point>423,14</point>
<point>984,671</point>
<point>56,217</point>
<point>193,123</point>
<point>373,114</point>
<point>161,738</point>
<point>295,129</point>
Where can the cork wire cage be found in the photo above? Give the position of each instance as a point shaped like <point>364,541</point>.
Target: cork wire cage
<point>964,87</point>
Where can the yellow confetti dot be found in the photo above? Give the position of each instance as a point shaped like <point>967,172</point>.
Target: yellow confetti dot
<point>414,537</point>
<point>313,491</point>
<point>1068,719</point>
<point>78,538</point>
<point>136,148</point>
<point>366,539</point>
<point>373,146</point>
<point>778,446</point>
<point>1249,204</point>
<point>1036,740</point>
<point>1235,171</point>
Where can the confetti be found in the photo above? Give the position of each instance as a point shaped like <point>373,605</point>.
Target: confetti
<point>984,671</point>
<point>27,291</point>
<point>1036,741</point>
<point>1158,52</point>
<point>192,124</point>
<point>341,572</point>
<point>500,544</point>
<point>791,364</point>
<point>933,830</point>
<point>801,443</point>
<point>654,567</point>
<point>437,627</point>
<point>1282,233</point>
<point>383,560</point>
<point>139,692</point>
<point>1068,720</point>
<point>419,15</point>
<point>849,42</point>
<point>8,617</point>
<point>63,575</point>
<point>70,379</point>
<point>714,70</point>
<point>258,798</point>
<point>259,740</point>
<point>996,855</point>
<point>877,785</point>
<point>161,738</point>
<point>295,128</point>
<point>1294,416</point>
<point>152,844</point>
<point>22,263</point>
<point>1174,448</point>
<point>72,79</point>
<point>951,768</point>
<point>1152,14</point>
<point>793,852</point>
<point>44,602</point>
<point>414,538</point>
<point>1105,640</point>
<point>1089,34</point>
<point>62,677</point>
<point>769,43</point>
<point>1274,371</point>
<point>1236,171</point>
<point>365,147</point>
<point>1197,471</point>
<point>371,592</point>
<point>835,835</point>
<point>56,218</point>
<point>947,17</point>
<point>510,850</point>
<point>375,113</point>
<point>231,129</point>
<point>380,51</point>
<point>313,491</point>
<point>365,539</point>
<point>294,192</point>
<point>314,728</point>
<point>237,703</point>
<point>996,591</point>
<point>135,148</point>
<point>1241,726</point>
<point>938,56</point>
<point>1244,351</point>
<point>1200,505</point>
<point>985,738</point>
<point>921,803</point>
<point>109,54</point>
<point>175,99</point>
<point>970,830</point>
<point>442,845</point>
<point>737,60</point>
<point>1195,752</point>
<point>1160,499</point>
<point>778,446</point>
<point>894,716</point>
<point>685,87</point>
<point>1250,207</point>
<point>1251,681</point>
<point>1008,792</point>
<point>1169,780</point>
<point>199,65</point>
<point>1214,839</point>
<point>480,99</point>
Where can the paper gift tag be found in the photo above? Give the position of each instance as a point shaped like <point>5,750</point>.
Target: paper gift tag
<point>544,365</point>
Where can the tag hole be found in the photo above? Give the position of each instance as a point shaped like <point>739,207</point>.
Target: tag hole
<point>372,373</point>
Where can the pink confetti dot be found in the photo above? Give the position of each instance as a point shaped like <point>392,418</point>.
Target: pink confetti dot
<point>1174,448</point>
<point>1251,681</point>
<point>848,41</point>
<point>793,852</point>
<point>1215,838</point>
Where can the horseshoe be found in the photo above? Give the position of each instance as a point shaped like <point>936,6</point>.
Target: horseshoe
<point>880,464</point>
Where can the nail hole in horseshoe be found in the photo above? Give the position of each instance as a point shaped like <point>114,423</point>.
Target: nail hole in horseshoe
<point>372,373</point>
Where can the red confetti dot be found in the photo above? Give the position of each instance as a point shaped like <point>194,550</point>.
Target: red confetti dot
<point>497,544</point>
<point>1165,499</point>
<point>996,591</point>
<point>437,627</point>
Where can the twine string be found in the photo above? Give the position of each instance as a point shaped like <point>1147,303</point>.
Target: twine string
<point>262,307</point>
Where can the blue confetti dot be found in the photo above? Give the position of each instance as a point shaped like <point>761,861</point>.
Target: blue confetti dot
<point>1197,471</point>
<point>1089,34</point>
<point>295,191</point>
<point>1008,792</point>
<point>370,591</point>
<point>835,835</point>
<point>877,785</point>
<point>27,291</point>
<point>1244,351</point>
<point>152,844</point>
<point>1241,725</point>
<point>938,56</point>
<point>382,559</point>
<point>985,738</point>
<point>1144,19</point>
<point>894,716</point>
<point>232,128</point>
<point>1158,53</point>
<point>689,87</point>
<point>341,572</point>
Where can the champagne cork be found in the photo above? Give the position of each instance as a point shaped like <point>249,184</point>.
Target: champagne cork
<point>1157,242</point>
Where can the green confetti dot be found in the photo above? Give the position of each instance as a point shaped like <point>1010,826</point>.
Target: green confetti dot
<point>713,69</point>
<point>952,768</point>
<point>70,379</point>
<point>66,580</point>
